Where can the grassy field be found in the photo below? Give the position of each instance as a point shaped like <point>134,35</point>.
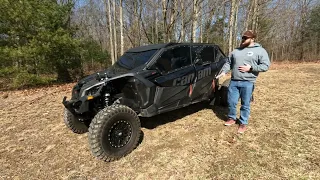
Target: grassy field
<point>282,141</point>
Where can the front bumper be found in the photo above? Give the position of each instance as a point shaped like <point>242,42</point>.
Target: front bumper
<point>76,107</point>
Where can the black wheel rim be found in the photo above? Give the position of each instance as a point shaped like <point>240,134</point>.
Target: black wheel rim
<point>119,134</point>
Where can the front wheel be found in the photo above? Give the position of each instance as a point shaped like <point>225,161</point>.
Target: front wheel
<point>73,123</point>
<point>114,132</point>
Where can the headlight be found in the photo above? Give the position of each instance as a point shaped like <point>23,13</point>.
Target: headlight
<point>92,90</point>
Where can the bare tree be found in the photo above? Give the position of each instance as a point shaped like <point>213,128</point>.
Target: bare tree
<point>248,11</point>
<point>195,20</point>
<point>231,24</point>
<point>115,31</point>
<point>164,15</point>
<point>220,21</point>
<point>302,27</point>
<point>255,15</point>
<point>121,26</point>
<point>156,24</point>
<point>182,34</point>
<point>201,21</point>
<point>108,14</point>
<point>235,30</point>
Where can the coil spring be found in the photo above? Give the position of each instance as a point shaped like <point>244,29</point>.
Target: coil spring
<point>106,99</point>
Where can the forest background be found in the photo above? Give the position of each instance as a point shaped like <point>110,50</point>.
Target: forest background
<point>57,41</point>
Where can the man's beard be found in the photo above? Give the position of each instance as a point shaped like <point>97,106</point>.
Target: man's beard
<point>244,44</point>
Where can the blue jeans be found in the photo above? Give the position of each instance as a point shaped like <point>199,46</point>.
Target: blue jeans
<point>242,89</point>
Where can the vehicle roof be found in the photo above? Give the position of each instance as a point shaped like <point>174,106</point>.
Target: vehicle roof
<point>159,46</point>
<point>148,47</point>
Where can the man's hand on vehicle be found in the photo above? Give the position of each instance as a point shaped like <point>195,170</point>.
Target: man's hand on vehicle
<point>245,68</point>
<point>221,75</point>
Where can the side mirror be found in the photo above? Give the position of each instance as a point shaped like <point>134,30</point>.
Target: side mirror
<point>154,67</point>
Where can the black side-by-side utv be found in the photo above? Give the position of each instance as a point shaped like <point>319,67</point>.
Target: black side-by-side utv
<point>145,81</point>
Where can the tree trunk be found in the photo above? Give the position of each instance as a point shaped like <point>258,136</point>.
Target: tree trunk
<point>303,22</point>
<point>121,27</point>
<point>195,20</point>
<point>247,22</point>
<point>164,15</point>
<point>156,26</point>
<point>225,35</point>
<point>115,32</point>
<point>152,27</point>
<point>143,27</point>
<point>108,8</point>
<point>172,20</point>
<point>208,25</point>
<point>63,73</point>
<point>231,23</point>
<point>235,30</point>
<point>318,47</point>
<point>256,27</point>
<point>201,16</point>
<point>136,27</point>
<point>139,22</point>
<point>152,34</point>
<point>182,36</point>
<point>255,15</point>
<point>282,52</point>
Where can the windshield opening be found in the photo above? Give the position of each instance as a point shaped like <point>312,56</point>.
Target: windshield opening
<point>131,60</point>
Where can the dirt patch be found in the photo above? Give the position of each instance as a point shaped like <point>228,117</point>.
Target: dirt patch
<point>282,142</point>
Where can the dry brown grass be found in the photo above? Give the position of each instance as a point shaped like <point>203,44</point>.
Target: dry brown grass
<point>282,142</point>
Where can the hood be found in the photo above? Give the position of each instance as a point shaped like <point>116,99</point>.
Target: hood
<point>110,72</point>
<point>113,71</point>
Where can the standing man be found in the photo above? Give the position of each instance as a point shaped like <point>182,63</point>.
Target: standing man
<point>245,64</point>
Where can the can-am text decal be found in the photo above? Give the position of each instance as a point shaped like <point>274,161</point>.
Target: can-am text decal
<point>184,80</point>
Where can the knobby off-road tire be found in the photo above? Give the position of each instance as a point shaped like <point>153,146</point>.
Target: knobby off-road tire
<point>114,132</point>
<point>73,123</point>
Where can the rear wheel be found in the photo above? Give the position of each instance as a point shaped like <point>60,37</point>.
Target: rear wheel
<point>114,132</point>
<point>73,123</point>
<point>224,93</point>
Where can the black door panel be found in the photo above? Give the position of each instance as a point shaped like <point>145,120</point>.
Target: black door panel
<point>180,77</point>
<point>173,87</point>
<point>176,75</point>
<point>204,83</point>
<point>184,75</point>
<point>168,97</point>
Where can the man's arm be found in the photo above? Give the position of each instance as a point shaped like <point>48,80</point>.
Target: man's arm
<point>263,62</point>
<point>225,68</point>
<point>227,65</point>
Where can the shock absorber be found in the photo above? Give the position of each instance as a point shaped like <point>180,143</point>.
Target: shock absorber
<point>106,99</point>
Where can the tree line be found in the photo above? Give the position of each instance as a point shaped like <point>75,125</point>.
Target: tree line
<point>47,41</point>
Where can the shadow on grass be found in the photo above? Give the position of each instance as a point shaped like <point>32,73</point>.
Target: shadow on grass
<point>140,138</point>
<point>161,119</point>
<point>220,111</point>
